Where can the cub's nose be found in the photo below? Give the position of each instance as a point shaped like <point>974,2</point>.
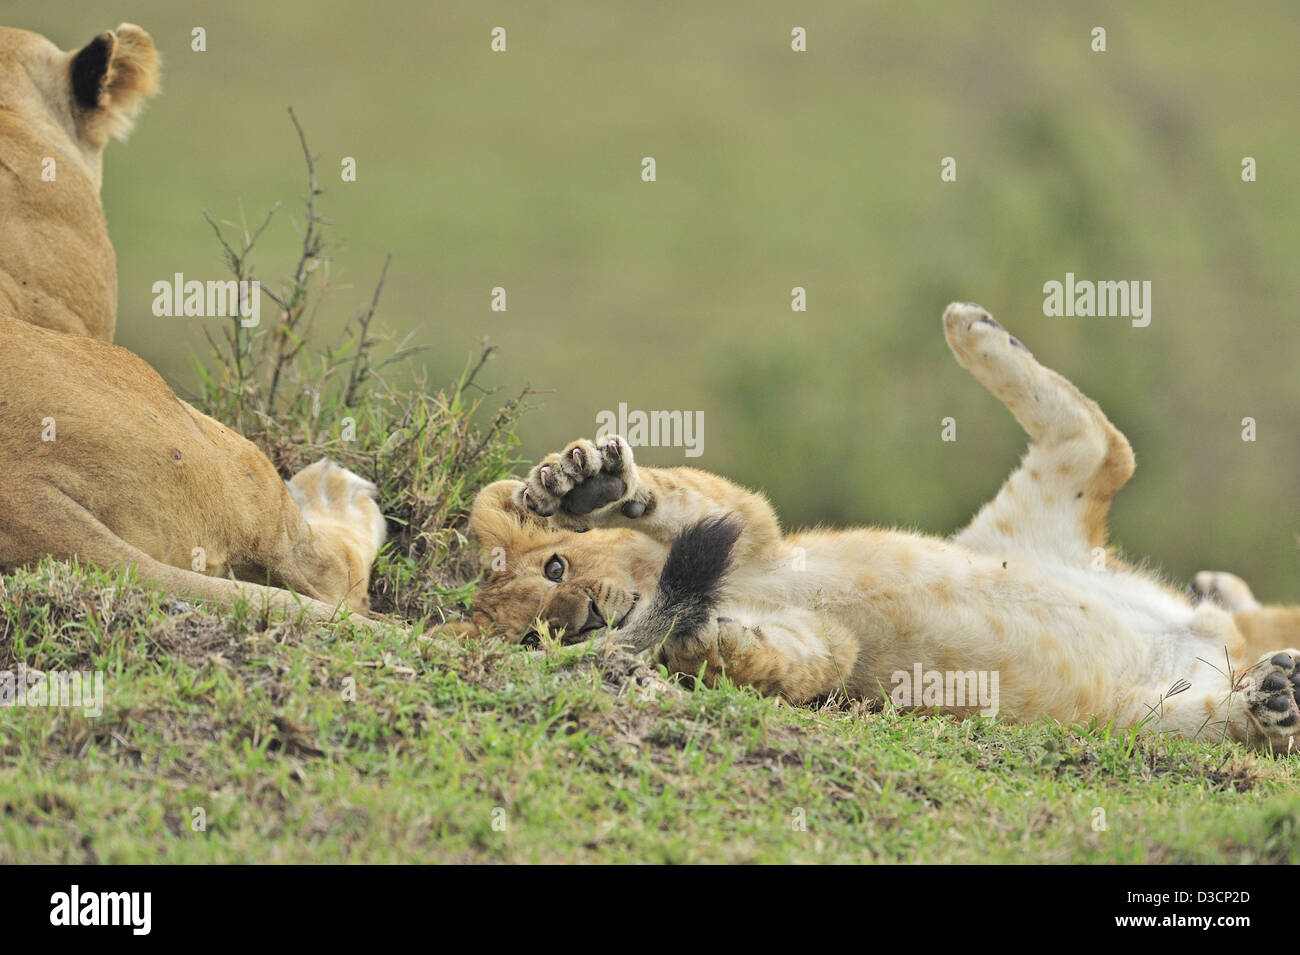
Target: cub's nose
<point>594,619</point>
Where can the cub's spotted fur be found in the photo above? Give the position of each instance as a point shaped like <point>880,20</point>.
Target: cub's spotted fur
<point>696,570</point>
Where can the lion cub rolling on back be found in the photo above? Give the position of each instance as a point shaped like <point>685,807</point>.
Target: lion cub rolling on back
<point>697,570</point>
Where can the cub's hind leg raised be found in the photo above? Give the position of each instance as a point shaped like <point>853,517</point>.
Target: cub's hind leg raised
<point>1057,501</point>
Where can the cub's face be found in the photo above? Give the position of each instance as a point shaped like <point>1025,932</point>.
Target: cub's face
<point>68,104</point>
<point>575,583</point>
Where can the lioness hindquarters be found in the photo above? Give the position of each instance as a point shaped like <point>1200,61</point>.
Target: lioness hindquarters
<point>1058,500</point>
<point>104,463</point>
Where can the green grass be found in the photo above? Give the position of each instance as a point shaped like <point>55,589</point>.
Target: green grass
<point>584,754</point>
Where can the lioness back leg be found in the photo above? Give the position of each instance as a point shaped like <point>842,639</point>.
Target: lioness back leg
<point>1059,497</point>
<point>66,530</point>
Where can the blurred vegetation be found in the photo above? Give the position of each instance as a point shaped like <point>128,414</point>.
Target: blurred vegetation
<point>427,451</point>
<point>775,169</point>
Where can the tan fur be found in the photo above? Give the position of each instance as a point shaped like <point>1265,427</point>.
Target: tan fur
<point>57,267</point>
<point>135,476</point>
<point>1265,628</point>
<point>1025,591</point>
<point>99,460</point>
<point>1261,627</point>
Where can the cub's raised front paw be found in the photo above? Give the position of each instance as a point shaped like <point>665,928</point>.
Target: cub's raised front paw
<point>584,477</point>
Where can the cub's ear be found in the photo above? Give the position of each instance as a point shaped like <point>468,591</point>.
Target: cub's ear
<point>111,77</point>
<point>501,524</point>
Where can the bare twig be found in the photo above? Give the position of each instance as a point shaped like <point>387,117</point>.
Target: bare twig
<point>361,357</point>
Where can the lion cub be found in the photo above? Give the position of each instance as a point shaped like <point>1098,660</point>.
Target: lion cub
<point>697,570</point>
<point>57,112</point>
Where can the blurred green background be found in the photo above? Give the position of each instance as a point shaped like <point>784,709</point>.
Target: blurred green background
<point>775,169</point>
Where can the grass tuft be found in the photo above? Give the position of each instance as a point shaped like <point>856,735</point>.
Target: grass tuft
<point>361,402</point>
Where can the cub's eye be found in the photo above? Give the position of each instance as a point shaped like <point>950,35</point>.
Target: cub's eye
<point>554,568</point>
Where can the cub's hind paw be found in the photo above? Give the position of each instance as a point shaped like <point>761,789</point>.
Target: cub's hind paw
<point>1227,590</point>
<point>972,331</point>
<point>1271,701</point>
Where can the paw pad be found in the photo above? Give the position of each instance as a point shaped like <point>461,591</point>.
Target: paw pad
<point>1273,704</point>
<point>585,476</point>
<point>611,454</point>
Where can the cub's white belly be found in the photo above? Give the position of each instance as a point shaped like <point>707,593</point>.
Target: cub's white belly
<point>1147,608</point>
<point>1175,632</point>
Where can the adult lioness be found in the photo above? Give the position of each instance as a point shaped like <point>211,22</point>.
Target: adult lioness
<point>101,461</point>
<point>697,569</point>
<point>57,112</point>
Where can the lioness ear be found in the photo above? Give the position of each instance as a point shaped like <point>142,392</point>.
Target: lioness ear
<point>112,76</point>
